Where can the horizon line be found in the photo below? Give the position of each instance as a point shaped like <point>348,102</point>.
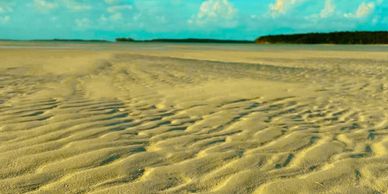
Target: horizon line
<point>184,39</point>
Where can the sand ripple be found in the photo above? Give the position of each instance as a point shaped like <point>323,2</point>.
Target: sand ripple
<point>138,123</point>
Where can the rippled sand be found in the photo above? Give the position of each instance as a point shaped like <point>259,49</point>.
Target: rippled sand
<point>161,118</point>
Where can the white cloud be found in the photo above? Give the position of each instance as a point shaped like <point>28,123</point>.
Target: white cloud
<point>363,10</point>
<point>328,10</point>
<point>82,22</point>
<point>119,8</point>
<point>282,6</point>
<point>116,16</point>
<point>4,19</point>
<point>44,5</point>
<point>5,9</point>
<point>110,2</point>
<point>76,6</point>
<point>116,13</point>
<point>217,12</point>
<point>73,5</point>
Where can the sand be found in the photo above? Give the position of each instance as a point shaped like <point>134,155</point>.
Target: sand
<point>187,118</point>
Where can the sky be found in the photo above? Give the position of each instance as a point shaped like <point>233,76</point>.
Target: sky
<point>220,19</point>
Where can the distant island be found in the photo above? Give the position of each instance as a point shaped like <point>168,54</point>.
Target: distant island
<point>361,37</point>
<point>187,40</point>
<point>60,40</point>
<point>73,40</point>
<point>357,37</point>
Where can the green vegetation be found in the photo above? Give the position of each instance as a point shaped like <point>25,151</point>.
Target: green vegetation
<point>72,40</point>
<point>125,40</point>
<point>379,37</point>
<point>188,40</point>
<point>358,37</point>
<point>61,40</point>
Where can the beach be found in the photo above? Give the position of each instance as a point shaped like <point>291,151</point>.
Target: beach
<point>193,118</point>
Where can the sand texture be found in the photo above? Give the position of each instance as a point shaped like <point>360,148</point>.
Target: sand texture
<point>161,118</point>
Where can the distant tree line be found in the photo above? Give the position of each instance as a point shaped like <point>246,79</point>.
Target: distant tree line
<point>187,40</point>
<point>358,37</point>
<point>72,40</point>
<point>361,37</point>
<point>125,40</point>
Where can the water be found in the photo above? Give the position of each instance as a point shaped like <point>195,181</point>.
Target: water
<point>191,46</point>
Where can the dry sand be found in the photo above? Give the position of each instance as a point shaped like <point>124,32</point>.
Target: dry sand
<point>161,118</point>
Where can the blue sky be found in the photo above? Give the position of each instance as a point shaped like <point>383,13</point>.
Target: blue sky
<point>147,19</point>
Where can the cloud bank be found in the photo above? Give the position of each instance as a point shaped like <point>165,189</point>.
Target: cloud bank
<point>145,19</point>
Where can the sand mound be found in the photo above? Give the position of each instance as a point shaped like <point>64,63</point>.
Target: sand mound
<point>189,119</point>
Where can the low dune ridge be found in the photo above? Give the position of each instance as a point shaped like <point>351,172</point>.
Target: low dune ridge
<point>182,118</point>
